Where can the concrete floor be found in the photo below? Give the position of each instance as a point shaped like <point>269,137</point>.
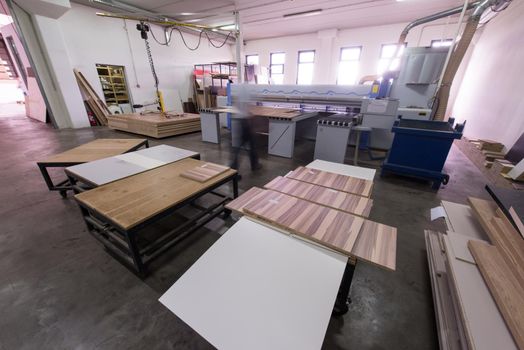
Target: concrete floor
<point>60,290</point>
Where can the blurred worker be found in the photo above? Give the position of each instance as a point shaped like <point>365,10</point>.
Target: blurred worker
<point>247,136</point>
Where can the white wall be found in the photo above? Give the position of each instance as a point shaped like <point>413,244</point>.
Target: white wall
<point>490,96</point>
<point>91,39</point>
<point>327,53</point>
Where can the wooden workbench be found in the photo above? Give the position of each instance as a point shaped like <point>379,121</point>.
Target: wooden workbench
<point>94,150</point>
<point>115,213</point>
<point>155,124</point>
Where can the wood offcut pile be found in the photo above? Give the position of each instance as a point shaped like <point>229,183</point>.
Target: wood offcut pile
<point>156,125</point>
<point>477,276</point>
<point>490,159</point>
<point>325,208</point>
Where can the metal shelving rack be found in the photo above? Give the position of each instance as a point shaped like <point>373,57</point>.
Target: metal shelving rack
<point>114,84</point>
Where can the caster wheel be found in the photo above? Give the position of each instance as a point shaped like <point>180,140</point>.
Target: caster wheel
<point>63,193</point>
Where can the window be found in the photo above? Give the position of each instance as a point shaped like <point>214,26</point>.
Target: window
<point>386,53</point>
<point>276,69</point>
<point>252,59</point>
<point>348,65</point>
<point>306,63</point>
<point>441,43</point>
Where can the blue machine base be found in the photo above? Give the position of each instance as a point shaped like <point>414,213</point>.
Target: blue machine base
<point>437,177</point>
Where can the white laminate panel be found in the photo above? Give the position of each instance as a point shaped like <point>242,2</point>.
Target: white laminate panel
<point>257,288</point>
<point>343,169</point>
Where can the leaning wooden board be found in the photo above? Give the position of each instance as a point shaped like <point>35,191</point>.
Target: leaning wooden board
<point>335,181</point>
<point>204,172</point>
<point>337,230</point>
<point>344,201</point>
<point>504,286</point>
<point>94,150</point>
<point>155,124</point>
<point>131,201</point>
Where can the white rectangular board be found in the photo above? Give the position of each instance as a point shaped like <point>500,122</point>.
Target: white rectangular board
<point>484,324</point>
<point>257,288</point>
<point>166,154</point>
<point>343,169</point>
<point>463,220</point>
<point>459,245</point>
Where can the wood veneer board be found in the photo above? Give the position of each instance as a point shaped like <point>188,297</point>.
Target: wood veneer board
<point>131,201</point>
<point>503,285</point>
<point>331,180</point>
<point>483,323</point>
<point>97,149</point>
<point>204,172</point>
<point>284,113</point>
<point>340,231</point>
<point>244,199</point>
<point>344,201</point>
<point>501,233</point>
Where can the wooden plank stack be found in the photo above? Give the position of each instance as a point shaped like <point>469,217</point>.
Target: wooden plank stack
<point>501,264</point>
<point>322,214</point>
<point>156,125</point>
<point>98,107</point>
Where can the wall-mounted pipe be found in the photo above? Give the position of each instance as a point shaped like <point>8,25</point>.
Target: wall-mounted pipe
<point>442,96</point>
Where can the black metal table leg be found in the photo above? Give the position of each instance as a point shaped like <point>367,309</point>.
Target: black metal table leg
<point>135,254</point>
<point>342,302</point>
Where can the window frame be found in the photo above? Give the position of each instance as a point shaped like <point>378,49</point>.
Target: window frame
<point>380,58</point>
<point>340,58</point>
<point>299,63</point>
<point>253,55</point>
<point>448,40</point>
<point>271,64</point>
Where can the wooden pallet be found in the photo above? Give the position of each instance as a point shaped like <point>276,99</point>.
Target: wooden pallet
<point>155,124</point>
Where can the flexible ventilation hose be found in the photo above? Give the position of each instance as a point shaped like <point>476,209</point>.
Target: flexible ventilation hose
<point>442,96</point>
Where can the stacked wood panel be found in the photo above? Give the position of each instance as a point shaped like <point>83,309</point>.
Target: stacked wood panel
<point>155,125</point>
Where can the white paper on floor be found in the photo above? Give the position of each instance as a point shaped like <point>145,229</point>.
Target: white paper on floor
<point>437,212</point>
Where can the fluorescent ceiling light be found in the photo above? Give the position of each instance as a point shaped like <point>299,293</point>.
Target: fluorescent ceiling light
<point>187,13</point>
<point>228,27</point>
<point>303,13</point>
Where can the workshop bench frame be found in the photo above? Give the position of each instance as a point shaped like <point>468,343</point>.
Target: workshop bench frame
<point>122,243</point>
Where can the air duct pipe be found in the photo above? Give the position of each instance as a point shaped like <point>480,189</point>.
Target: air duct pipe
<point>442,96</point>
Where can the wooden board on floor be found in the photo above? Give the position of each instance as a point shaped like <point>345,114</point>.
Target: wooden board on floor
<point>131,201</point>
<point>244,199</point>
<point>97,149</point>
<point>503,285</point>
<point>337,230</point>
<point>98,107</point>
<point>339,200</point>
<point>204,172</point>
<point>331,180</point>
<point>155,124</point>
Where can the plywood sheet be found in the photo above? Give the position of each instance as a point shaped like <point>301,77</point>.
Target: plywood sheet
<point>271,112</point>
<point>131,201</point>
<point>343,232</point>
<point>204,172</point>
<point>155,124</point>
<point>331,180</point>
<point>328,197</point>
<point>97,149</point>
<point>459,245</point>
<point>504,285</point>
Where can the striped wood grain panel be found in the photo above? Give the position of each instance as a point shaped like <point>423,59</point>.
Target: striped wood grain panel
<point>204,172</point>
<point>338,182</point>
<point>244,199</point>
<point>321,195</point>
<point>349,234</point>
<point>503,285</point>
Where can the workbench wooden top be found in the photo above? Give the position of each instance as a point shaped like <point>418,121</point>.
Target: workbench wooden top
<point>133,200</point>
<point>155,118</point>
<point>97,149</point>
